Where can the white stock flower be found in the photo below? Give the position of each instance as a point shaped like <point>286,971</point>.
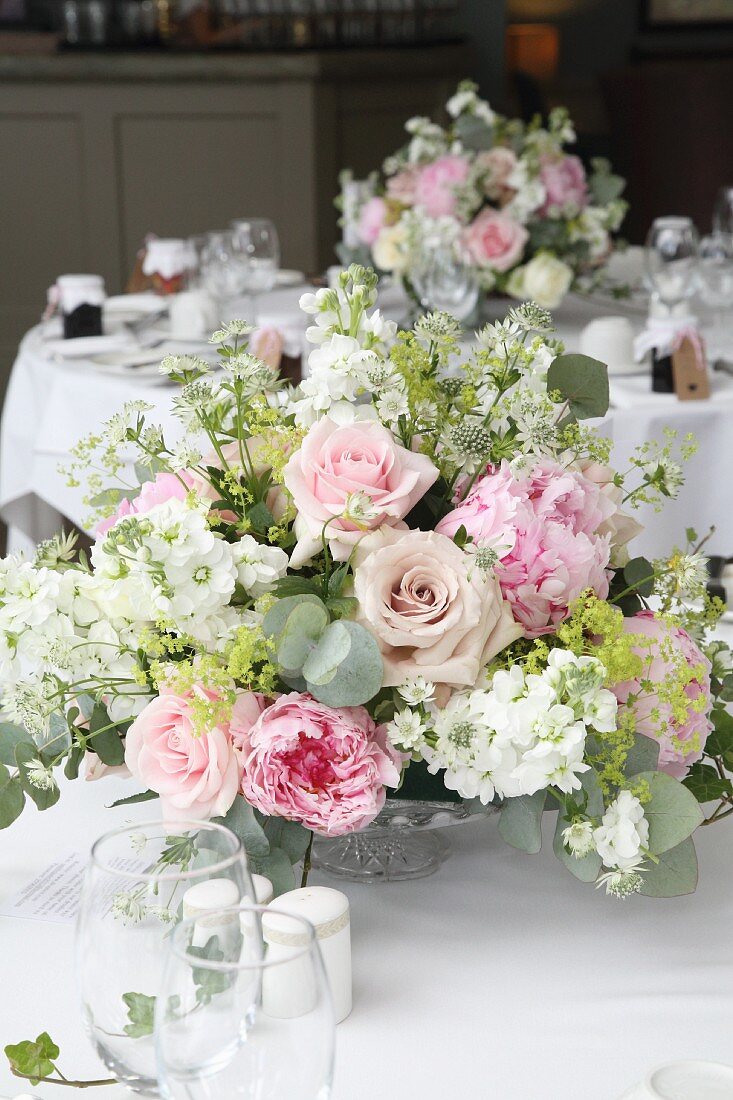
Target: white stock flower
<point>623,834</point>
<point>478,761</point>
<point>258,566</point>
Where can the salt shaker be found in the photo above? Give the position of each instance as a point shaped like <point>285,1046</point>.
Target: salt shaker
<point>80,299</point>
<point>216,894</point>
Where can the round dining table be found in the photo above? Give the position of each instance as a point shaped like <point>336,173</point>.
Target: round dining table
<point>500,977</point>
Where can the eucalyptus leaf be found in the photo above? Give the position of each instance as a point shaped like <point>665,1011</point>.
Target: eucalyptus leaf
<point>12,797</point>
<point>359,676</point>
<point>26,756</point>
<point>274,621</point>
<point>57,739</point>
<point>474,133</point>
<point>277,867</point>
<point>673,812</point>
<point>10,736</point>
<point>587,867</point>
<point>292,837</point>
<point>331,651</point>
<point>303,628</point>
<point>73,762</point>
<point>520,822</point>
<point>241,819</point>
<point>643,756</point>
<point>675,874</point>
<point>582,382</point>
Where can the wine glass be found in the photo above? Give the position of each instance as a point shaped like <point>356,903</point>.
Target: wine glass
<point>715,274</point>
<point>223,267</point>
<point>670,260</point>
<point>246,1015</point>
<point>141,880</point>
<point>445,279</point>
<point>723,212</point>
<point>258,247</point>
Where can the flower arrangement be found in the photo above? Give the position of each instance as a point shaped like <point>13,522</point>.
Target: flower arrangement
<point>524,211</point>
<point>417,559</point>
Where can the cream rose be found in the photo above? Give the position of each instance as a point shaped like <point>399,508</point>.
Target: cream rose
<point>350,479</point>
<point>619,525</point>
<point>433,612</point>
<point>545,280</point>
<point>389,251</point>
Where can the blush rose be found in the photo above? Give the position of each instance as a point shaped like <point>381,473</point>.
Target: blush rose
<point>495,240</point>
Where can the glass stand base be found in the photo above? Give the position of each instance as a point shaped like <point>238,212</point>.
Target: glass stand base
<point>391,857</point>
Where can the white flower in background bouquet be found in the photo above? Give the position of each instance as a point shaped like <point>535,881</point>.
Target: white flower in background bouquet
<point>417,562</point>
<point>527,213</point>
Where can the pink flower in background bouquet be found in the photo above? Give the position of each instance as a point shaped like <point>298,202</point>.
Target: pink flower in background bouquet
<point>435,189</point>
<point>496,166</point>
<point>495,240</point>
<point>372,219</point>
<point>668,651</point>
<point>163,487</point>
<point>326,767</point>
<point>401,187</point>
<point>566,187</point>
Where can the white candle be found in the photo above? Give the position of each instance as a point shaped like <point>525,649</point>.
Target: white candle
<point>264,892</point>
<point>328,912</point>
<point>215,893</point>
<point>685,1080</point>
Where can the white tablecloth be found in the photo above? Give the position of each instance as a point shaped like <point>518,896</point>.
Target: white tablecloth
<point>49,406</point>
<point>499,977</point>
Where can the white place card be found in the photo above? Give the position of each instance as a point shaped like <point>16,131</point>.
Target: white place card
<point>53,895</point>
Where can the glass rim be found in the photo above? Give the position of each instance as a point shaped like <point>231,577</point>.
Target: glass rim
<point>181,952</point>
<point>670,221</point>
<point>168,876</point>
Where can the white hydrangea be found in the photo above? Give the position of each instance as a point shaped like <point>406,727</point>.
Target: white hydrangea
<point>258,566</point>
<point>467,101</point>
<point>529,193</point>
<point>623,835</point>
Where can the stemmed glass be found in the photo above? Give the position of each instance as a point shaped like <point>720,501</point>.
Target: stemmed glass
<point>670,260</point>
<point>445,279</point>
<point>723,212</point>
<point>256,243</point>
<point>223,267</point>
<point>140,882</point>
<point>715,275</point>
<point>241,1018</point>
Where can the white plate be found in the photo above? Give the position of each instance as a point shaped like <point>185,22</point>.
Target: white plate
<point>83,347</point>
<point>130,360</point>
<point>289,277</point>
<point>134,303</point>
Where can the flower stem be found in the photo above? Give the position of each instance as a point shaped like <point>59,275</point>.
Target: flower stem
<point>64,1081</point>
<point>307,862</point>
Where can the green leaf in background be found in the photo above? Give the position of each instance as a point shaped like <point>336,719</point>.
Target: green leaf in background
<point>132,799</point>
<point>520,823</point>
<point>141,1014</point>
<point>582,382</point>
<point>643,756</point>
<point>673,812</point>
<point>705,783</point>
<point>675,874</point>
<point>34,1059</point>
<point>720,739</point>
<point>10,736</point>
<point>605,187</point>
<point>292,837</point>
<point>260,518</point>
<point>242,820</point>
<point>209,982</point>
<point>105,742</point>
<point>473,133</point>
<point>639,575</point>
<point>359,676</point>
<point>296,586</point>
<point>277,867</point>
<point>12,797</point>
<point>44,791</point>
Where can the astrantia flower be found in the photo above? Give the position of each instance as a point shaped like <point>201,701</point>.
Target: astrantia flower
<point>416,690</point>
<point>230,330</point>
<point>578,839</point>
<point>407,730</point>
<point>622,883</point>
<point>39,776</point>
<point>532,318</point>
<point>623,835</point>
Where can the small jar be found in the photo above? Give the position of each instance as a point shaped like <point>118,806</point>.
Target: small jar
<point>167,262</point>
<point>80,299</point>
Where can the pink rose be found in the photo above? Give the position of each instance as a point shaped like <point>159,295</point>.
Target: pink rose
<point>94,768</point>
<point>267,344</point>
<point>496,166</point>
<point>195,773</point>
<point>401,187</point>
<point>566,189</point>
<point>436,184</point>
<point>669,652</point>
<point>326,767</point>
<point>163,487</point>
<point>618,524</point>
<point>433,612</point>
<point>495,240</point>
<point>337,465</point>
<point>372,219</point>
<point>248,706</point>
<point>545,527</point>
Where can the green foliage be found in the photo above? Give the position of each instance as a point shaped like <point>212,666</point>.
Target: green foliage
<point>672,810</point>
<point>582,382</point>
<point>473,133</point>
<point>12,797</point>
<point>132,799</point>
<point>10,736</point>
<point>33,1058</point>
<point>639,575</point>
<point>209,982</point>
<point>706,784</point>
<point>26,756</point>
<point>106,742</point>
<point>244,823</point>
<point>520,823</point>
<point>674,874</point>
<point>590,799</point>
<point>643,756</point>
<point>272,844</point>
<point>141,1014</point>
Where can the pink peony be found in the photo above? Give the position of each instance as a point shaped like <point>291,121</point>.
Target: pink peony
<point>401,187</point>
<point>163,487</point>
<point>267,344</point>
<point>197,775</point>
<point>323,766</point>
<point>670,651</point>
<point>566,189</point>
<point>545,529</point>
<point>337,465</point>
<point>372,219</point>
<point>435,188</point>
<point>496,166</point>
<point>495,240</point>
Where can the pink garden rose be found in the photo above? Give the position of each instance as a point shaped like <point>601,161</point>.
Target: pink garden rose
<point>401,186</point>
<point>566,189</point>
<point>94,768</point>
<point>267,344</point>
<point>372,219</point>
<point>619,525</point>
<point>163,487</point>
<point>433,612</point>
<point>495,240</point>
<point>545,528</point>
<point>669,651</point>
<point>248,706</point>
<point>496,166</point>
<point>335,463</point>
<point>435,188</point>
<point>196,774</point>
<point>326,767</point>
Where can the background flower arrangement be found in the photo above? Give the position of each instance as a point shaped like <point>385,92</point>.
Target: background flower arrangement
<point>417,559</point>
<point>524,211</point>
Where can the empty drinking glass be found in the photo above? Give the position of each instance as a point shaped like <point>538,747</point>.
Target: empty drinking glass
<point>715,273</point>
<point>223,267</point>
<point>445,279</point>
<point>258,247</point>
<point>140,882</point>
<point>245,1011</point>
<point>671,259</point>
<point>723,212</point>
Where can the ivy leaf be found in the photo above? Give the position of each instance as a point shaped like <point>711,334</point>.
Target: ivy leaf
<point>720,739</point>
<point>209,982</point>
<point>105,742</point>
<point>639,575</point>
<point>673,812</point>
<point>141,1014</point>
<point>73,762</point>
<point>12,797</point>
<point>34,1059</point>
<point>675,874</point>
<point>359,674</point>
<point>582,382</point>
<point>260,518</point>
<point>520,823</point>
<point>705,783</point>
